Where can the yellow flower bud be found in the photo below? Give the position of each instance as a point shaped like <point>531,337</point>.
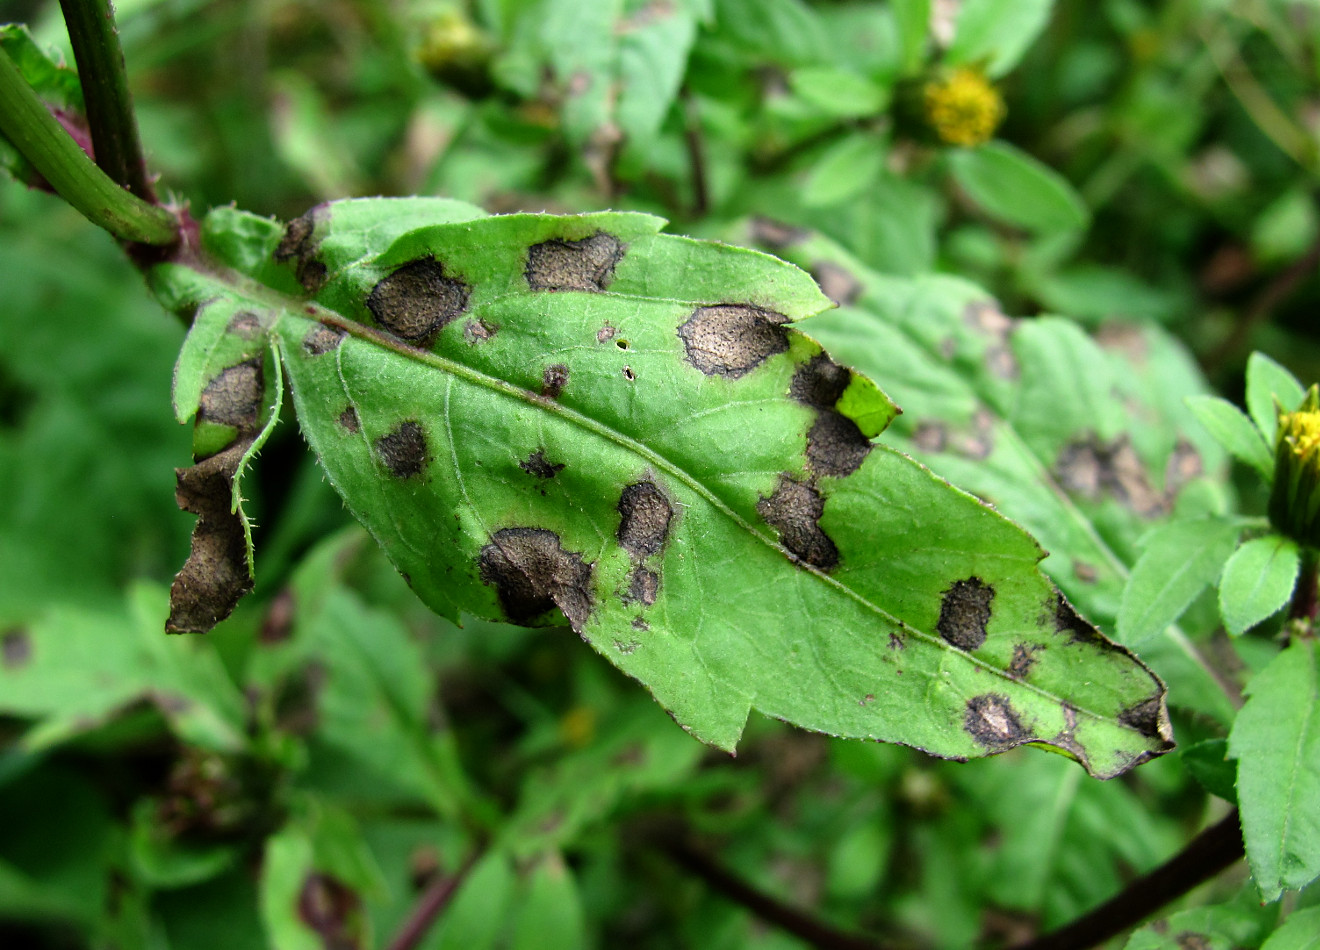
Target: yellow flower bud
<point>963,107</point>
<point>1295,495</point>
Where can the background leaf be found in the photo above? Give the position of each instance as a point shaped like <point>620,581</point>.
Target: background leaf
<point>1230,425</point>
<point>1178,561</point>
<point>1014,187</point>
<point>1258,580</point>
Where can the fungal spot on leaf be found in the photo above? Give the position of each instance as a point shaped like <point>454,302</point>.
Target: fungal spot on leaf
<point>586,265</point>
<point>836,283</point>
<point>605,333</point>
<point>332,911</point>
<point>417,301</point>
<point>896,642</point>
<point>775,234</point>
<point>819,382</point>
<point>643,587</point>
<point>349,421</point>
<point>539,466</point>
<point>930,436</point>
<point>1191,940</point>
<point>987,319</point>
<point>991,721</point>
<point>732,339</point>
<point>322,339</point>
<point>794,511</point>
<point>1066,620</point>
<point>628,374</point>
<point>640,624</point>
<point>835,446</point>
<point>532,574</point>
<point>233,398</point>
<point>627,647</point>
<point>403,451</point>
<point>1084,572</point>
<point>553,380</point>
<point>866,700</point>
<point>1184,465</point>
<point>245,325</point>
<point>644,517</point>
<point>478,331</point>
<point>300,245</point>
<point>1024,658</point>
<point>979,442</point>
<point>1146,717</point>
<point>15,648</point>
<point>1093,469</point>
<point>964,613</point>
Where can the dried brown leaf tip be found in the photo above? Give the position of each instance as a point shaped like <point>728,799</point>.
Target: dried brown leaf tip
<point>300,246</point>
<point>216,574</point>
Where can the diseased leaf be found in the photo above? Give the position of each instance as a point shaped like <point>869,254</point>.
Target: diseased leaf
<point>1014,187</point>
<point>1258,580</point>
<point>1230,425</point>
<point>1276,741</point>
<point>579,418</point>
<point>1180,559</point>
<point>1268,383</point>
<point>1222,927</point>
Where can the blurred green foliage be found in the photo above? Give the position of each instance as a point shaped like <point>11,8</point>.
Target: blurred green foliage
<point>304,774</point>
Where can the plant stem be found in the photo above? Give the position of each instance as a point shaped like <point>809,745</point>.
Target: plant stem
<point>96,50</point>
<point>429,906</point>
<point>39,138</point>
<point>809,929</point>
<point>1205,856</point>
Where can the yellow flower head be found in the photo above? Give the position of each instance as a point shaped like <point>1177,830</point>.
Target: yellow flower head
<point>1295,494</point>
<point>963,107</point>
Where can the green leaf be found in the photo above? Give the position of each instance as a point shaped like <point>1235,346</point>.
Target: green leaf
<point>913,19</point>
<point>481,908</point>
<point>1268,383</point>
<point>1234,431</point>
<point>1301,931</point>
<point>1209,765</point>
<point>1258,580</point>
<point>1222,927</point>
<point>1015,188</point>
<point>549,456</point>
<point>996,33</point>
<point>846,168</point>
<point>1180,560</point>
<point>1276,741</point>
<point>550,911</point>
<point>838,92</point>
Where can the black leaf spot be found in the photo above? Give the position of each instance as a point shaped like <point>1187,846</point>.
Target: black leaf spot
<point>835,446</point>
<point>349,421</point>
<point>733,339</point>
<point>478,331</point>
<point>644,517</point>
<point>819,382</point>
<point>532,574</point>
<point>246,325</point>
<point>991,721</point>
<point>322,339</point>
<point>539,466</point>
<point>301,245</point>
<point>1024,658</point>
<point>233,398</point>
<point>417,301</point>
<point>794,510</point>
<point>644,586</point>
<point>964,612</point>
<point>586,265</point>
<point>840,285</point>
<point>1146,717</point>
<point>403,451</point>
<point>553,380</point>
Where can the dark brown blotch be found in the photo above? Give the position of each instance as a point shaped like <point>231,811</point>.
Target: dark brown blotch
<point>1191,940</point>
<point>643,587</point>
<point>403,450</point>
<point>331,910</point>
<point>1146,717</point>
<point>964,613</point>
<point>835,446</point>
<point>606,332</point>
<point>532,574</point>
<point>538,466</point>
<point>794,511</point>
<point>15,648</point>
<point>321,339</point>
<point>300,245</point>
<point>417,301</point>
<point>777,235</point>
<point>1024,658</point>
<point>930,436</point>
<point>991,720</point>
<point>733,339</point>
<point>478,331</point>
<point>1085,571</point>
<point>349,421</point>
<point>819,382</point>
<point>586,265</point>
<point>553,380</point>
<point>1067,620</point>
<point>1093,468</point>
<point>644,518</point>
<point>245,325</point>
<point>233,398</point>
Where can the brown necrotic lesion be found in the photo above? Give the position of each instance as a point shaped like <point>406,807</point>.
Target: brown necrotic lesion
<point>418,300</point>
<point>585,265</point>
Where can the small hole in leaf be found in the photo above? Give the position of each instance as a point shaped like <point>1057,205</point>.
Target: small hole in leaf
<point>621,344</point>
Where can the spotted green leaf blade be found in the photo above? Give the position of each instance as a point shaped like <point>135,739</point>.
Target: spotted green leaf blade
<point>543,418</point>
<point>1258,580</point>
<point>1276,741</point>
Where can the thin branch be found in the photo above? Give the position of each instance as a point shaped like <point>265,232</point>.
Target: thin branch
<point>104,80</point>
<point>1206,855</point>
<point>773,911</point>
<point>431,904</point>
<point>39,137</point>
<point>696,147</point>
<point>1262,306</point>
